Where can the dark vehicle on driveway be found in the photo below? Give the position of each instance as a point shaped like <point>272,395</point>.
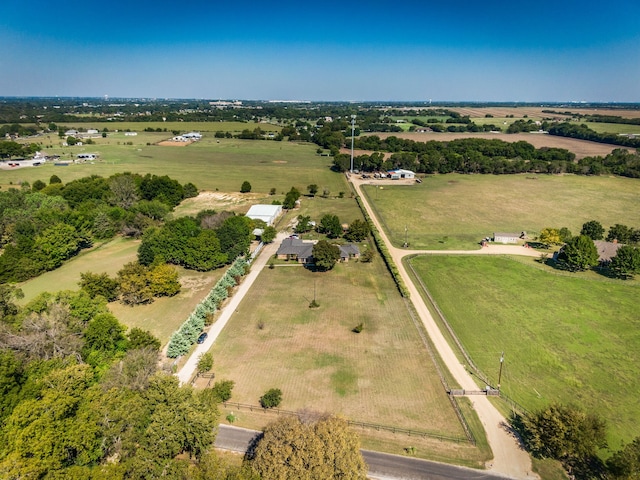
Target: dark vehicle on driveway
<point>202,337</point>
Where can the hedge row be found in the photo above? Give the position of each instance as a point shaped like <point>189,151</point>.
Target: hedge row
<point>188,333</point>
<point>384,252</point>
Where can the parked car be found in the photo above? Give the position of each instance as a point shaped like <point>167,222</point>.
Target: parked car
<point>202,337</point>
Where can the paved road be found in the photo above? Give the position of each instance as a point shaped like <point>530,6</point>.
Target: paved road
<point>382,466</point>
<point>186,373</point>
<point>509,459</point>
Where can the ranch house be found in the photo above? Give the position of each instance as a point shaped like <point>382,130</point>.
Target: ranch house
<point>301,251</point>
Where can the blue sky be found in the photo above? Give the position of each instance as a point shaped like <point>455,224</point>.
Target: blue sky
<point>561,50</point>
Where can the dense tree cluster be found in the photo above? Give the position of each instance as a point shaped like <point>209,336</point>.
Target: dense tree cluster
<point>575,437</point>
<point>583,132</point>
<point>466,155</point>
<point>309,447</point>
<point>10,149</point>
<point>42,227</point>
<point>580,253</point>
<point>185,242</point>
<point>80,398</point>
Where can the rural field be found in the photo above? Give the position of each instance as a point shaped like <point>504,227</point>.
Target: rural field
<point>582,148</point>
<point>161,318</point>
<point>211,164</point>
<point>570,339</point>
<point>383,375</point>
<point>453,211</point>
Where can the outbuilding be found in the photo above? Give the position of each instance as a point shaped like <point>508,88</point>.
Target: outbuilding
<point>266,213</point>
<point>509,237</point>
<point>399,173</point>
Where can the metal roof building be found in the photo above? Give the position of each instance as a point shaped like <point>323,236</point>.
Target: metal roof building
<point>267,213</point>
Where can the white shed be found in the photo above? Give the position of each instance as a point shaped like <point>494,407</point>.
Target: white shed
<point>267,213</point>
<point>400,173</point>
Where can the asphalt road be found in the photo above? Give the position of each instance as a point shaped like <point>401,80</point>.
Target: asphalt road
<point>382,466</point>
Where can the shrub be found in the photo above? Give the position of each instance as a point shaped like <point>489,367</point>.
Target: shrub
<point>358,328</point>
<point>271,398</point>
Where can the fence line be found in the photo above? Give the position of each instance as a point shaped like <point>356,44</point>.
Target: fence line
<point>353,423</point>
<point>444,321</point>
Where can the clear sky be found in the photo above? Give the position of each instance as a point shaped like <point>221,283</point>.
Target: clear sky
<point>484,50</point>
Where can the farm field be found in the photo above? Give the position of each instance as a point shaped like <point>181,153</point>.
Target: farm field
<point>107,257</point>
<point>161,317</point>
<point>166,314</point>
<point>453,211</point>
<point>582,148</point>
<point>382,375</point>
<point>211,164</point>
<point>233,127</point>
<point>567,339</point>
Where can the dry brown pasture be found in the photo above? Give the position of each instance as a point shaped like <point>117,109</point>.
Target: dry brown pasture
<point>582,148</point>
<point>537,112</point>
<point>171,143</point>
<point>383,375</point>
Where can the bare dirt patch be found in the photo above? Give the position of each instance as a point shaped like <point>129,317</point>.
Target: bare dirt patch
<point>216,201</point>
<point>170,143</point>
<point>279,161</point>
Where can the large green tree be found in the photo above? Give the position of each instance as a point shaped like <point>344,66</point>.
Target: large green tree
<point>619,233</point>
<point>358,231</point>
<point>626,263</point>
<point>593,229</point>
<point>579,253</point>
<point>565,433</point>
<point>309,448</point>
<point>625,463</point>
<point>325,255</point>
<point>330,225</point>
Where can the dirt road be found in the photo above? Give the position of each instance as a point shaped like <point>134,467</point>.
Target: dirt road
<point>509,457</point>
<point>186,373</point>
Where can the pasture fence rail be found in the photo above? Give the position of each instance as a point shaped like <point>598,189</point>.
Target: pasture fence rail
<point>353,423</point>
<point>446,324</point>
<point>437,362</point>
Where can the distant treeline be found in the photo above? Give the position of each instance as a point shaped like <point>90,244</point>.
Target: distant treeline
<point>583,132</point>
<point>485,156</point>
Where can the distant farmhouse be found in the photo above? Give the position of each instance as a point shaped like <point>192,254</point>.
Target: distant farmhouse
<point>606,250</point>
<point>301,251</point>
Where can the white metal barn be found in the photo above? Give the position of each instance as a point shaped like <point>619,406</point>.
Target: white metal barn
<point>268,213</point>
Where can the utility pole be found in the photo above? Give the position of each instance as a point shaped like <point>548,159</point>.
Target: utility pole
<point>500,372</point>
<point>353,128</point>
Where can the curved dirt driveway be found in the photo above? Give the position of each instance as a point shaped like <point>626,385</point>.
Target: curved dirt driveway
<point>509,458</point>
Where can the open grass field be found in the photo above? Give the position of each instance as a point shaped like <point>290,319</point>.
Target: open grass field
<point>211,164</point>
<point>107,257</point>
<point>161,317</point>
<point>233,127</point>
<point>457,211</point>
<point>383,375</point>
<point>166,314</point>
<point>567,339</point>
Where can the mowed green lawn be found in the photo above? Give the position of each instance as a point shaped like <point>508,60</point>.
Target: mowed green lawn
<point>211,164</point>
<point>105,258</point>
<point>382,375</point>
<point>567,339</point>
<point>457,211</point>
